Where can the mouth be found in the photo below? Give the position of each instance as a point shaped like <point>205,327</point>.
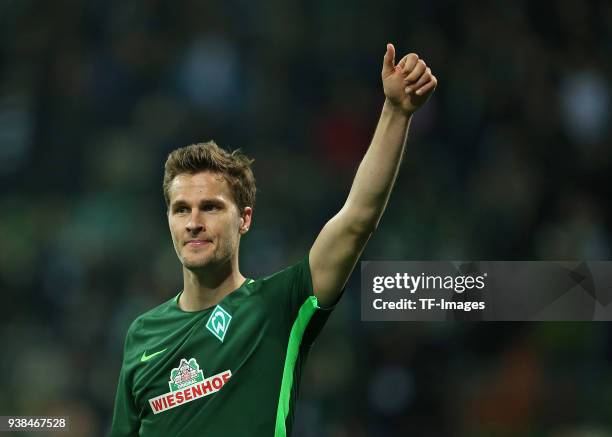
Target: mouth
<point>198,243</point>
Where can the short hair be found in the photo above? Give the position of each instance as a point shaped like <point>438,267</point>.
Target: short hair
<point>234,166</point>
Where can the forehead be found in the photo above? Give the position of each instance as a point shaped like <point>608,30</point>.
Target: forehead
<point>193,187</point>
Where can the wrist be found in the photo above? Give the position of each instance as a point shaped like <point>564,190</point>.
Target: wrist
<point>396,109</point>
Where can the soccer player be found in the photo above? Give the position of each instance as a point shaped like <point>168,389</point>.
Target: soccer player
<point>224,356</point>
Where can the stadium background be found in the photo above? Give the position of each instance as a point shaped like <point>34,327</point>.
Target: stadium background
<point>508,161</point>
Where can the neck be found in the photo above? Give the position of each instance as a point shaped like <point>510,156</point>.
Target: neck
<point>206,288</point>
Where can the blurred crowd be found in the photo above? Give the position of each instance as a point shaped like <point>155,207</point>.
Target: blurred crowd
<point>507,161</point>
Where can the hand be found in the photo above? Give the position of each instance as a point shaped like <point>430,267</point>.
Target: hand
<point>408,84</point>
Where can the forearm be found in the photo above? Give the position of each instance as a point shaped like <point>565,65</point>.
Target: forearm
<point>378,170</point>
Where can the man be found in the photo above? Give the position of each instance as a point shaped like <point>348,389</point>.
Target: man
<point>224,356</point>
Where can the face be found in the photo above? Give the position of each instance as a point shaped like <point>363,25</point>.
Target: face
<point>204,220</point>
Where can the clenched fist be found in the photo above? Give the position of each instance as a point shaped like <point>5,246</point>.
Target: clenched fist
<point>408,84</point>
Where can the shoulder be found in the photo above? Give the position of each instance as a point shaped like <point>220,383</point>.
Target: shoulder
<point>154,314</point>
<point>289,287</point>
<point>294,276</point>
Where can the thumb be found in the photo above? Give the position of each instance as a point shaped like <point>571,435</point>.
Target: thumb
<point>389,59</point>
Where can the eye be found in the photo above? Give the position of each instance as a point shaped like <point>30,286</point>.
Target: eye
<point>180,209</point>
<point>210,207</point>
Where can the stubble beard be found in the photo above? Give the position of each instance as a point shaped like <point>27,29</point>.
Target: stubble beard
<point>213,257</point>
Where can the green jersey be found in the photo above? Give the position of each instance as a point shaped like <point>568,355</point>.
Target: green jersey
<point>230,370</point>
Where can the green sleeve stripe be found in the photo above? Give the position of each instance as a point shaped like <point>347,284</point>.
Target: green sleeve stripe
<point>307,309</point>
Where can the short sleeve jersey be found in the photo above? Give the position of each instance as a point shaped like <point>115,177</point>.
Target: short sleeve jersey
<point>229,370</point>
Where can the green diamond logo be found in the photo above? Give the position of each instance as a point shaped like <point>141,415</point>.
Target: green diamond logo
<point>218,322</point>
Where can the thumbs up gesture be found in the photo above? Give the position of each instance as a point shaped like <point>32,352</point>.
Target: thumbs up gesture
<point>409,83</point>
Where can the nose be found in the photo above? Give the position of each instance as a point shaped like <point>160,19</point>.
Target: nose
<point>195,225</point>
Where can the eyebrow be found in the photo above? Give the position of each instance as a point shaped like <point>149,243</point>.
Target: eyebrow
<point>181,202</point>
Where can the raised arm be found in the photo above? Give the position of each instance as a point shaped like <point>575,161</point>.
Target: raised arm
<point>338,246</point>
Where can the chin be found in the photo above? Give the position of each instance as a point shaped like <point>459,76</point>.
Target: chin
<point>195,264</point>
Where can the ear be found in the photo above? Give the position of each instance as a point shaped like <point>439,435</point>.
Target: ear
<point>245,220</point>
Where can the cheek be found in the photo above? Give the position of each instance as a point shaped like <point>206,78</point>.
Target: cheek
<point>231,236</point>
<point>173,233</point>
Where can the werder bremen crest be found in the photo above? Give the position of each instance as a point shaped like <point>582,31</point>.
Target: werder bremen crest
<point>218,322</point>
<point>186,374</point>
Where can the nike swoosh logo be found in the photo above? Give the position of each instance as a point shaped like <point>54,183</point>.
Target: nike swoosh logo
<point>146,357</point>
